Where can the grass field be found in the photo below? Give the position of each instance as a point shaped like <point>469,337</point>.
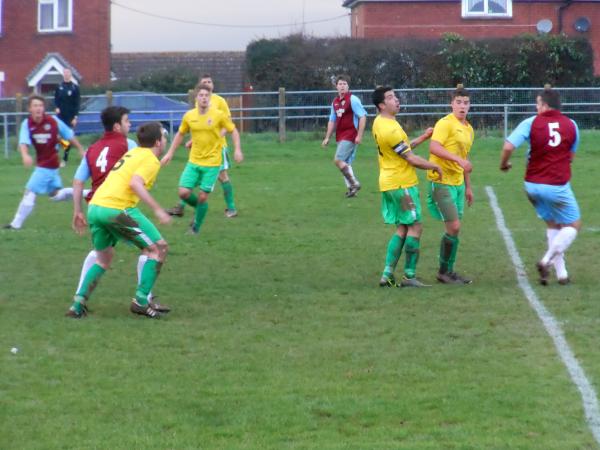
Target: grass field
<point>279,336</point>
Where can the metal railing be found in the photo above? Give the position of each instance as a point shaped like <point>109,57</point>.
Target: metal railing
<point>282,111</point>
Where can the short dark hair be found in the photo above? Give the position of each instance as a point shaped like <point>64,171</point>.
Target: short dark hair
<point>33,97</point>
<point>205,75</point>
<point>460,91</point>
<point>200,87</point>
<point>379,95</point>
<point>111,115</point>
<point>148,133</point>
<point>342,77</point>
<point>550,97</point>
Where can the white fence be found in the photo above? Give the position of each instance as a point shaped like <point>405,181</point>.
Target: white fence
<point>282,111</point>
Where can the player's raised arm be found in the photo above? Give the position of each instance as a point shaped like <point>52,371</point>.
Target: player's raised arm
<point>419,140</point>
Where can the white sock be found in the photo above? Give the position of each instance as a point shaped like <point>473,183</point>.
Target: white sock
<point>25,208</point>
<point>88,262</point>
<point>140,266</point>
<point>561,242</point>
<point>560,266</point>
<point>352,173</point>
<point>62,195</point>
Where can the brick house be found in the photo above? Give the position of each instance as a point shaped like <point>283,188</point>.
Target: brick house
<point>39,38</point>
<point>476,18</point>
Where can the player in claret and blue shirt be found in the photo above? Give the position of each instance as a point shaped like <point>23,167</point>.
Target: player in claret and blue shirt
<point>348,117</point>
<point>43,133</point>
<point>553,139</point>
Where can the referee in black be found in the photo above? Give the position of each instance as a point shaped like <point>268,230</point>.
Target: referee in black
<point>67,100</point>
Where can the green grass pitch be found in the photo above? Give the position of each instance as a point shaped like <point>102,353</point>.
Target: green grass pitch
<point>279,336</point>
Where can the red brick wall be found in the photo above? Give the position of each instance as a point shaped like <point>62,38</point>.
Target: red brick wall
<point>430,20</point>
<point>22,48</point>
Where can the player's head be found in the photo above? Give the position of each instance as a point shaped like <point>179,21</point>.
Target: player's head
<point>547,99</point>
<point>151,135</point>
<point>116,118</point>
<point>342,84</point>
<point>385,100</point>
<point>461,102</point>
<point>67,74</point>
<point>206,80</point>
<point>36,104</point>
<point>203,95</point>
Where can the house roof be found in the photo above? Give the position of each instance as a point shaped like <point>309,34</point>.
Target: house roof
<point>226,68</point>
<point>353,3</point>
<point>52,61</point>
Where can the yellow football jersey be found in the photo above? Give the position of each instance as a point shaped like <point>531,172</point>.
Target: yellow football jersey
<point>115,192</point>
<point>457,138</point>
<point>206,135</point>
<point>394,171</point>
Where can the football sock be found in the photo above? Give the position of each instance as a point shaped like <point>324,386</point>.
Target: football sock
<point>88,262</point>
<point>411,249</point>
<point>351,171</point>
<point>560,266</point>
<point>448,248</point>
<point>561,242</point>
<point>140,267</point>
<point>90,281</point>
<point>148,278</point>
<point>182,203</point>
<point>349,175</point>
<point>394,249</point>
<point>228,194</point>
<point>201,210</point>
<point>62,195</point>
<point>192,200</point>
<point>25,208</point>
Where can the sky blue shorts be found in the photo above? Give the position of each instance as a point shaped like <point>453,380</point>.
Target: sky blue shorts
<point>346,151</point>
<point>44,181</point>
<point>553,203</point>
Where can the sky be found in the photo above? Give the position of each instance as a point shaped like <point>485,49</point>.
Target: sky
<point>139,31</point>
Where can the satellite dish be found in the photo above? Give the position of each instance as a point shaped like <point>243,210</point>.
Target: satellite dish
<point>544,26</point>
<point>582,24</point>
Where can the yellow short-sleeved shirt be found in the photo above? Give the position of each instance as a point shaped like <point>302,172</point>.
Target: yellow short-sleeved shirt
<point>457,138</point>
<point>206,135</point>
<point>218,102</point>
<point>115,191</point>
<point>394,171</point>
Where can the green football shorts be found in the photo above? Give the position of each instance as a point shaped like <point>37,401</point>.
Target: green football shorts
<point>446,202</point>
<point>203,176</point>
<point>109,225</point>
<point>401,206</point>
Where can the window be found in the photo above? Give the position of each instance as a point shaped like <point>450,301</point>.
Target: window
<point>55,15</point>
<point>0,17</point>
<point>486,8</point>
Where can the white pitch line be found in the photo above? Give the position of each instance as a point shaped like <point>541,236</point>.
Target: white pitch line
<point>588,394</point>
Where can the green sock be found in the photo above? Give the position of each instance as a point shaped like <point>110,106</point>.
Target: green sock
<point>448,249</point>
<point>394,249</point>
<point>192,200</point>
<point>149,275</point>
<point>201,210</point>
<point>411,249</point>
<point>182,203</point>
<point>228,194</point>
<point>90,281</point>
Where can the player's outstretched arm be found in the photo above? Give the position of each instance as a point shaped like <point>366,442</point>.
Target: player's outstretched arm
<point>437,149</point>
<point>79,223</point>
<point>25,156</point>
<point>74,141</point>
<point>422,163</point>
<point>507,149</point>
<point>138,186</point>
<point>418,141</point>
<point>177,140</point>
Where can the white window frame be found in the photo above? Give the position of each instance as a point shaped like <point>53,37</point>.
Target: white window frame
<point>486,14</point>
<point>55,28</point>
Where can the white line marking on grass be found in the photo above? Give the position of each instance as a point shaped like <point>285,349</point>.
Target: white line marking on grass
<point>588,394</point>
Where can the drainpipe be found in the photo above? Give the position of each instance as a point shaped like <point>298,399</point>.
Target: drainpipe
<point>561,8</point>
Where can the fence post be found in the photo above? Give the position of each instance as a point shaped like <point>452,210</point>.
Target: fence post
<point>19,111</point>
<point>505,121</point>
<point>191,99</point>
<point>109,98</point>
<point>241,114</point>
<point>6,137</point>
<point>282,114</point>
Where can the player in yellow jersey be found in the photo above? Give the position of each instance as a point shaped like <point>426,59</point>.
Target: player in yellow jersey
<point>450,145</point>
<point>206,126</point>
<point>113,215</point>
<point>218,102</point>
<point>398,183</point>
